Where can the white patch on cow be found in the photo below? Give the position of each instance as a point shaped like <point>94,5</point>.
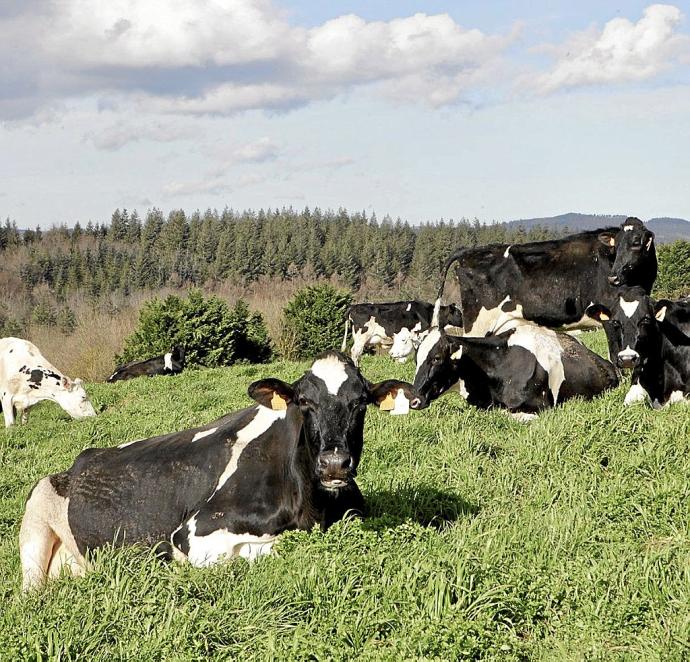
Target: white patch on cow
<point>457,354</point>
<point>221,544</point>
<point>462,389</point>
<point>129,443</point>
<point>545,346</point>
<point>661,313</point>
<point>507,251</point>
<point>202,434</point>
<point>409,307</point>
<point>628,307</point>
<point>636,394</point>
<point>627,228</point>
<point>425,348</point>
<point>331,371</point>
<point>167,361</point>
<point>488,319</point>
<point>402,404</point>
<point>676,397</point>
<point>261,422</point>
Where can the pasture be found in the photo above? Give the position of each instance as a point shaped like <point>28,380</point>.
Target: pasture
<point>568,538</point>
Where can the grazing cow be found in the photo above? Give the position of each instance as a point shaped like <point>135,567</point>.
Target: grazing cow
<point>551,282</point>
<point>26,378</point>
<point>226,489</point>
<point>171,363</point>
<point>654,340</point>
<point>402,324</point>
<point>524,368</point>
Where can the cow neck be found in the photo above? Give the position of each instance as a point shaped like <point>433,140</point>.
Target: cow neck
<point>651,373</point>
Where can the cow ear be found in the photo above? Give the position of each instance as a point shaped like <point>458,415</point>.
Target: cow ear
<point>66,383</point>
<point>598,312</point>
<point>648,240</point>
<point>392,395</point>
<point>608,239</point>
<point>78,382</point>
<point>272,393</point>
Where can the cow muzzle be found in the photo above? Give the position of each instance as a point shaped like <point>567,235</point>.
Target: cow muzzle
<point>335,469</point>
<point>419,402</point>
<point>627,359</point>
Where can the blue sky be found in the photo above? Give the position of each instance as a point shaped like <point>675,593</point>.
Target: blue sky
<point>420,110</point>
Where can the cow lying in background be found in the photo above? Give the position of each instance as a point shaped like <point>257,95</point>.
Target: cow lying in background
<point>653,340</point>
<point>26,378</point>
<point>523,368</point>
<point>551,282</point>
<point>171,363</point>
<point>226,489</point>
<point>402,324</point>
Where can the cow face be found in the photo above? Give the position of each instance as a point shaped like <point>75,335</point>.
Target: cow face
<point>635,262</point>
<point>436,373</point>
<point>406,341</point>
<point>71,396</point>
<point>332,397</point>
<point>630,326</point>
<point>451,315</point>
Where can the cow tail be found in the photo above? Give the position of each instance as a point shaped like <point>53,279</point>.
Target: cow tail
<point>347,331</point>
<point>444,273</point>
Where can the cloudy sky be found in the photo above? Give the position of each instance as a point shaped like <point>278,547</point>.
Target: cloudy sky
<point>422,110</point>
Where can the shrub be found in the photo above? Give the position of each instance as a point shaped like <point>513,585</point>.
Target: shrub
<point>212,333</point>
<point>674,270</point>
<point>313,320</point>
<point>43,314</point>
<point>66,320</point>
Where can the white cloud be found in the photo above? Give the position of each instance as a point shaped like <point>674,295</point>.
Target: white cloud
<point>226,56</point>
<point>122,133</point>
<point>622,51</point>
<point>213,185</point>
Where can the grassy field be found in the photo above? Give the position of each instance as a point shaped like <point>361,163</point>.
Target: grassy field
<point>568,538</point>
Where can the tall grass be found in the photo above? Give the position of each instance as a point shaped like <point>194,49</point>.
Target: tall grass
<point>564,539</point>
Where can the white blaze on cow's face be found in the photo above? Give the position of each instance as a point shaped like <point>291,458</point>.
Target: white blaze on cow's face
<point>71,396</point>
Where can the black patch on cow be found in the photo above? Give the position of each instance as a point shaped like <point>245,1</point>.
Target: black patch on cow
<point>509,306</point>
<point>570,307</point>
<point>60,483</point>
<point>53,375</point>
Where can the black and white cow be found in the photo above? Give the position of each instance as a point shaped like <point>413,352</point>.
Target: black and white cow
<point>551,282</point>
<point>654,340</point>
<point>226,489</point>
<point>171,363</point>
<point>27,377</point>
<point>401,324</point>
<point>524,368</point>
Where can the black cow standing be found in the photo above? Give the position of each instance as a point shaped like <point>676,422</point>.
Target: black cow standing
<point>551,282</point>
<point>400,324</point>
<point>524,369</point>
<point>171,363</point>
<point>226,489</point>
<point>651,338</point>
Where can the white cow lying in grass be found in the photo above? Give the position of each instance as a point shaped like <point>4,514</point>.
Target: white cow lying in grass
<point>26,378</point>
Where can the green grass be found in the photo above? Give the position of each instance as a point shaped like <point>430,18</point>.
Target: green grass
<point>564,539</point>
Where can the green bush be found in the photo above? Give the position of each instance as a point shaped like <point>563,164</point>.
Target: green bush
<point>212,333</point>
<point>313,320</point>
<point>673,280</point>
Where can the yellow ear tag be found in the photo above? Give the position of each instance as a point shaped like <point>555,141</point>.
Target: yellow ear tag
<point>612,241</point>
<point>387,404</point>
<point>277,403</point>
<point>604,316</point>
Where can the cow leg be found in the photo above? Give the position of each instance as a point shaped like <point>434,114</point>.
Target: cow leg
<point>8,409</point>
<point>360,340</point>
<point>45,533</point>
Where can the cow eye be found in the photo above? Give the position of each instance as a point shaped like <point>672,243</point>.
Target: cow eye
<point>646,320</point>
<point>616,324</point>
<point>305,404</point>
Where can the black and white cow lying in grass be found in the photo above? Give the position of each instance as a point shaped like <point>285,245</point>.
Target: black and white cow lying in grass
<point>27,377</point>
<point>654,340</point>
<point>171,363</point>
<point>524,368</point>
<point>226,489</point>
<point>401,324</point>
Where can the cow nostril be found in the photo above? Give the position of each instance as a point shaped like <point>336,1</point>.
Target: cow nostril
<point>614,280</point>
<point>415,403</point>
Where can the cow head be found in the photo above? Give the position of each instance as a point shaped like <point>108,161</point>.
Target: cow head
<point>332,397</point>
<point>406,341</point>
<point>437,367</point>
<point>451,315</point>
<point>635,262</point>
<point>71,396</point>
<point>177,353</point>
<point>630,325</point>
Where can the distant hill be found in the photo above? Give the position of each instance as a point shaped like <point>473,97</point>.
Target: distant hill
<point>666,229</point>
